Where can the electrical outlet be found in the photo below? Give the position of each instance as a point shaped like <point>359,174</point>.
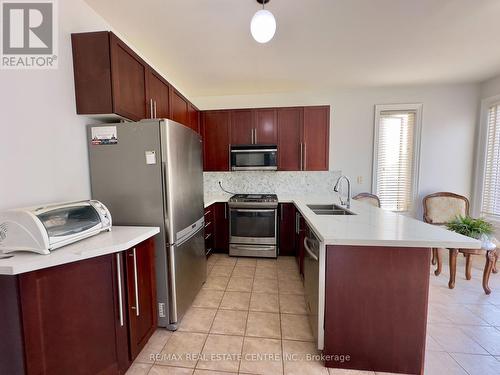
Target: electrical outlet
<point>359,180</point>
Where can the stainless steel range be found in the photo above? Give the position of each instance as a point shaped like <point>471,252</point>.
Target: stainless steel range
<point>253,225</point>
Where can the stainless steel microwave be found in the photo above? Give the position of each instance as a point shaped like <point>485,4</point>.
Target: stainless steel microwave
<point>254,158</point>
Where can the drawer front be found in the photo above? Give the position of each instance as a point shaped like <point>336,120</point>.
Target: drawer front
<point>209,230</point>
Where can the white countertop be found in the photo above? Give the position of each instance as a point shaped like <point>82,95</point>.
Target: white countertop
<point>119,239</point>
<point>371,226</point>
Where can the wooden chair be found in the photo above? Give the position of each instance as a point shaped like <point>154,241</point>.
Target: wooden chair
<point>439,209</point>
<point>371,199</point>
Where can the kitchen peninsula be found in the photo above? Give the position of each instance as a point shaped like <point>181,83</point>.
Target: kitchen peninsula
<point>373,282</point>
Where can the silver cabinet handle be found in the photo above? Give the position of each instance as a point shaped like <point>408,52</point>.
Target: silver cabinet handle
<point>309,251</point>
<point>251,135</point>
<point>301,157</point>
<point>225,211</point>
<point>255,136</point>
<point>297,223</point>
<point>136,284</point>
<point>208,236</point>
<point>305,157</point>
<point>229,158</point>
<point>151,108</point>
<point>119,277</point>
<point>154,106</point>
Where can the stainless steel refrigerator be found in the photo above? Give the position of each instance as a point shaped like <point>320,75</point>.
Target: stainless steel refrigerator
<point>150,173</point>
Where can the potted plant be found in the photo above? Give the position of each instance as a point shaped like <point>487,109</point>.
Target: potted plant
<point>476,228</point>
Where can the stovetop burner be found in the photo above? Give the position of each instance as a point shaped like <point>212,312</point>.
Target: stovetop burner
<point>258,200</point>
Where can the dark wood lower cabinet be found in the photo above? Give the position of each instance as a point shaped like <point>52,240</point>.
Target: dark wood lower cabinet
<point>376,307</point>
<point>287,243</point>
<point>300,233</point>
<point>67,319</point>
<point>221,227</point>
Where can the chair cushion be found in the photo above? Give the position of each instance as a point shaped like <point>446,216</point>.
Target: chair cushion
<point>445,209</point>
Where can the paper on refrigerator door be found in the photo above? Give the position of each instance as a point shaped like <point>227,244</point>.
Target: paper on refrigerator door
<point>104,135</point>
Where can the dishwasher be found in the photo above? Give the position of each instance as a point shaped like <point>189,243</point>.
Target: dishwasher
<point>311,278</point>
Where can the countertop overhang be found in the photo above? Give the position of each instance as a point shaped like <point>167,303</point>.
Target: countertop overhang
<point>370,226</point>
<point>120,238</point>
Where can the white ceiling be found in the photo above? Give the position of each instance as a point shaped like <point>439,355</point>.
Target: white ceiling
<point>206,48</point>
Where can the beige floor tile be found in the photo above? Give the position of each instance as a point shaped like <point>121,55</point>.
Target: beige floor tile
<point>221,271</point>
<point>432,345</point>
<point>440,363</point>
<point>240,284</point>
<point>289,274</point>
<point>487,337</point>
<point>296,327</point>
<point>230,322</point>
<point>297,361</point>
<point>247,262</point>
<point>154,346</point>
<point>208,298</point>
<point>138,369</point>
<point>262,262</point>
<point>338,371</point>
<point>453,339</point>
<point>235,301</point>
<point>221,353</point>
<point>243,271</point>
<point>265,286</point>
<point>261,356</point>
<point>264,302</point>
<point>262,324</point>
<point>210,372</point>
<point>458,314</point>
<point>226,261</point>
<point>266,272</point>
<point>477,364</point>
<point>182,348</point>
<point>197,320</point>
<point>489,313</point>
<point>291,287</point>
<point>216,282</point>
<point>292,304</point>
<point>168,370</point>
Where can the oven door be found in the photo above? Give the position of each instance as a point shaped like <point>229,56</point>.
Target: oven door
<point>251,158</point>
<point>253,226</point>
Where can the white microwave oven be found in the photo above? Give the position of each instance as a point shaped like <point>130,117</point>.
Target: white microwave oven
<point>44,228</point>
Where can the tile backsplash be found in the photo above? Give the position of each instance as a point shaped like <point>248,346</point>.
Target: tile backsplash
<point>270,182</point>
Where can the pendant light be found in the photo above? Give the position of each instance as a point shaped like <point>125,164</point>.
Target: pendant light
<point>263,25</point>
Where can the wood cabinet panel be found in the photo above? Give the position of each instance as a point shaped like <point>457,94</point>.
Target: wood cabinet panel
<point>242,127</point>
<point>209,229</point>
<point>215,133</point>
<point>69,318</point>
<point>316,138</point>
<point>180,112</point>
<point>287,229</point>
<point>129,81</point>
<point>159,93</point>
<point>141,293</point>
<point>194,118</point>
<point>221,227</point>
<point>266,126</point>
<point>289,138</point>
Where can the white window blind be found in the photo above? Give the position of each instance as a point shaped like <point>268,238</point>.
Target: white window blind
<point>491,184</point>
<point>395,158</point>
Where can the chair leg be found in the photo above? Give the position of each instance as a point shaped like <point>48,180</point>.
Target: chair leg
<point>495,269</point>
<point>439,262</point>
<point>453,267</point>
<point>468,266</point>
<point>434,260</point>
<point>491,257</point>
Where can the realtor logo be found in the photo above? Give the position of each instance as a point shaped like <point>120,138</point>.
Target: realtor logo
<point>29,34</point>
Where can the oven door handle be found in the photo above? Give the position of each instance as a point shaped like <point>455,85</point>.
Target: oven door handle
<point>253,210</point>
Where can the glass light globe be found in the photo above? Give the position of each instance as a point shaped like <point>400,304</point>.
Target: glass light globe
<point>263,26</point>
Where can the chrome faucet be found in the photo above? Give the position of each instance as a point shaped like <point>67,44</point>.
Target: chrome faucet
<point>347,203</point>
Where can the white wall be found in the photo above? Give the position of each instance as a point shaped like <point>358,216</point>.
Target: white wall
<point>490,87</point>
<point>448,128</point>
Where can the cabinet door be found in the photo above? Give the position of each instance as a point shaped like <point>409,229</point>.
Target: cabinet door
<point>221,228</point>
<point>300,228</point>
<point>141,293</point>
<point>215,140</point>
<point>180,112</point>
<point>70,316</point>
<point>289,139</point>
<point>129,81</point>
<point>194,118</point>
<point>287,229</point>
<point>242,127</point>
<point>159,92</point>
<point>266,126</point>
<point>316,138</point>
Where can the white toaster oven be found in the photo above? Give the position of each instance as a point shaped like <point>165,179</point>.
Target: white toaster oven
<point>44,228</point>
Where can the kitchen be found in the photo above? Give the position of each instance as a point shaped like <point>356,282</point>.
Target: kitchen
<point>280,257</point>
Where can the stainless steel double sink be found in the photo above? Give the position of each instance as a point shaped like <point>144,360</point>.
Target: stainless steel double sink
<point>329,209</point>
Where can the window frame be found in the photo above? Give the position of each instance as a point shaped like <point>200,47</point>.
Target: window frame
<point>417,136</point>
<point>481,153</point>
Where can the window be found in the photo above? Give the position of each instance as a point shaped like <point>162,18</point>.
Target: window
<point>491,181</point>
<point>396,154</point>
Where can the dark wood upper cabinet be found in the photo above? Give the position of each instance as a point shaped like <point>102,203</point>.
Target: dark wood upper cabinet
<point>180,111</point>
<point>141,290</point>
<point>215,132</point>
<point>316,138</point>
<point>266,128</point>
<point>159,96</point>
<point>242,127</point>
<point>194,118</point>
<point>289,138</point>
